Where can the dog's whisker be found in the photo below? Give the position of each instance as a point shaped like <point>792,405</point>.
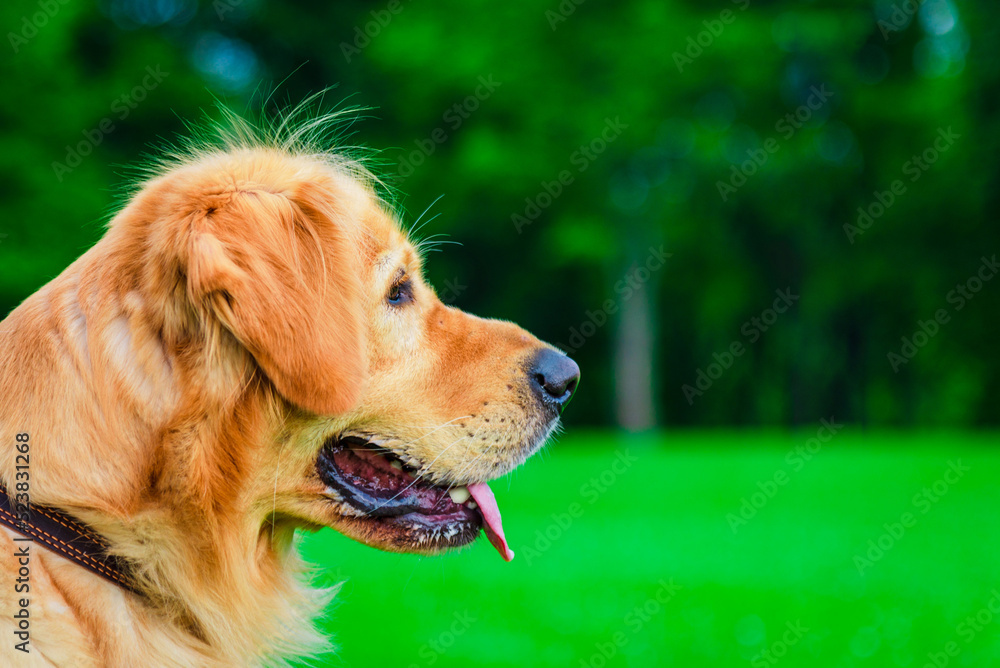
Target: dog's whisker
<point>274,498</point>
<point>415,228</point>
<point>419,476</point>
<point>467,467</point>
<point>431,243</point>
<point>436,426</point>
<point>426,222</point>
<point>436,429</point>
<point>472,463</point>
<point>475,461</point>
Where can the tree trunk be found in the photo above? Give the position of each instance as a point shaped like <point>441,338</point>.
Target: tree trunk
<point>633,360</point>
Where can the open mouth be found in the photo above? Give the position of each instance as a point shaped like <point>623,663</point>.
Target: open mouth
<point>416,514</point>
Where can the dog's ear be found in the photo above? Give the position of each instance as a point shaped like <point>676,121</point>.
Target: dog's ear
<point>287,286</point>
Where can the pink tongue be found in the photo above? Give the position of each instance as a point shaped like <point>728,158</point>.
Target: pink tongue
<point>483,496</point>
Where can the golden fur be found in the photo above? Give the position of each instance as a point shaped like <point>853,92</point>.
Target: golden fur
<point>179,378</point>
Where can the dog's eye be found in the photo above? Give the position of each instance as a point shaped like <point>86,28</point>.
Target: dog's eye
<point>400,293</point>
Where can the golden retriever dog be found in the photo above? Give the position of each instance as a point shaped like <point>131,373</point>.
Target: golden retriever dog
<point>250,349</point>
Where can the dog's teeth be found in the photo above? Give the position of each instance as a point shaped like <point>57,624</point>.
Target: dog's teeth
<point>459,494</point>
<point>396,464</point>
<point>472,504</point>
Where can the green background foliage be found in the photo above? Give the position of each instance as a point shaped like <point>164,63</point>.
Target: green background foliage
<point>712,153</point>
<point>682,559</point>
<point>557,78</point>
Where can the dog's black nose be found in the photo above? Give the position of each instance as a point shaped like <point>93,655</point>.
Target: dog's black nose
<point>554,376</point>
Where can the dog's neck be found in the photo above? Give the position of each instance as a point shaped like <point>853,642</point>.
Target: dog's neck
<point>228,594</point>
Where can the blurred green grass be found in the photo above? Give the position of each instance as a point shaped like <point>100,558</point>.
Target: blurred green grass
<point>663,519</point>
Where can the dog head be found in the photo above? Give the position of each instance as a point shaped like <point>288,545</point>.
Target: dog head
<point>356,399</point>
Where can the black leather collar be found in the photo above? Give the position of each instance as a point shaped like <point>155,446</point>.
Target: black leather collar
<point>60,533</point>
